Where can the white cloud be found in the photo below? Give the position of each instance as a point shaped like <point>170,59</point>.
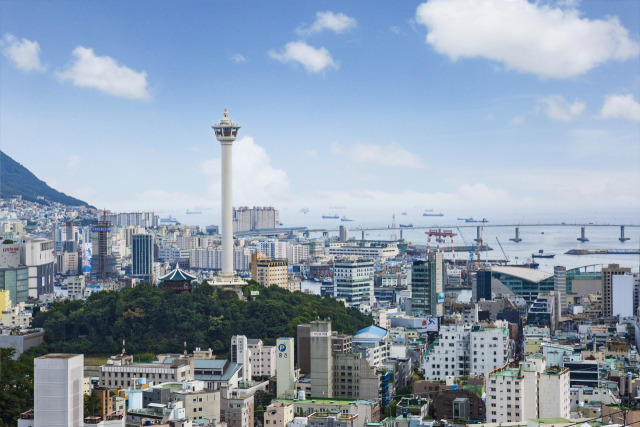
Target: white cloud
<point>238,58</point>
<point>389,155</point>
<point>74,162</point>
<point>517,120</point>
<point>528,37</point>
<point>312,59</point>
<point>255,180</point>
<point>105,74</point>
<point>25,54</point>
<point>620,107</point>
<point>557,108</point>
<point>336,22</point>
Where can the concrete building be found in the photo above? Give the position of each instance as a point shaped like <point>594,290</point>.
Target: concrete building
<point>285,366</point>
<point>607,286</point>
<point>58,392</point>
<point>236,409</point>
<point>121,372</point>
<point>272,272</point>
<point>197,401</point>
<point>372,343</point>
<point>142,257</point>
<point>622,289</point>
<point>353,282</point>
<point>344,233</point>
<point>530,390</point>
<point>560,291</point>
<point>262,359</point>
<point>427,286</point>
<point>364,250</point>
<point>75,286</point>
<point>354,378</point>
<point>21,340</point>
<point>256,218</point>
<point>321,367</point>
<point>303,348</point>
<point>278,414</point>
<point>39,256</point>
<point>241,355</point>
<point>465,349</point>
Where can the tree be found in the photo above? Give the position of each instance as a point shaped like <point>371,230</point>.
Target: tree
<point>16,386</point>
<point>92,405</point>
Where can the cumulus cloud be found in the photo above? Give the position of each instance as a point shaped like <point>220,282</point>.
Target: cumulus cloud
<point>557,108</point>
<point>389,155</point>
<point>620,107</point>
<point>255,179</point>
<point>528,37</point>
<point>23,53</point>
<point>312,59</point>
<point>238,59</point>
<point>336,22</point>
<point>105,74</point>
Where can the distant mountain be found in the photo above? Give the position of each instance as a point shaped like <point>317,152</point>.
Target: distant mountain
<point>16,180</point>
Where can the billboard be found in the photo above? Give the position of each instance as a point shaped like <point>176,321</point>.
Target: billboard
<point>86,258</point>
<point>432,324</point>
<point>319,334</point>
<point>440,297</point>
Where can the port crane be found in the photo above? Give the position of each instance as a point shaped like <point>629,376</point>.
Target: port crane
<point>503,252</point>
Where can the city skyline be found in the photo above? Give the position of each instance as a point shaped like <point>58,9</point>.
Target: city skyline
<point>529,109</point>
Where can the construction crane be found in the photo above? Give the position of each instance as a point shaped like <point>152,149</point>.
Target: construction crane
<point>470,248</point>
<point>503,253</point>
<point>480,240</point>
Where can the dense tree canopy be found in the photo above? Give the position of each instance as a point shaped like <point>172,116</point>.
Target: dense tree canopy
<point>155,320</point>
<point>16,386</point>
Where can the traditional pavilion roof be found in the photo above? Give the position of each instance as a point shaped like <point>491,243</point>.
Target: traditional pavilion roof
<point>177,275</point>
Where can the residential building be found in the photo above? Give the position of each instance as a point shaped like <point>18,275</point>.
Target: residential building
<point>236,409</point>
<point>278,414</point>
<point>262,359</point>
<point>353,282</point>
<point>121,372</point>
<point>241,355</point>
<point>256,218</point>
<point>372,343</point>
<point>272,272</point>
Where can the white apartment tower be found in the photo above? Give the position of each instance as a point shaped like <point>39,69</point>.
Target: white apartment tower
<point>353,282</point>
<point>58,390</point>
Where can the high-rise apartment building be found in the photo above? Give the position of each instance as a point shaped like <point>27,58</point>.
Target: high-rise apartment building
<point>483,284</point>
<point>142,256</point>
<point>427,286</point>
<point>607,281</point>
<point>353,282</point>
<point>256,218</point>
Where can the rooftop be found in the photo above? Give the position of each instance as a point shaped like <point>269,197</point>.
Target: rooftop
<point>529,274</point>
<point>59,356</point>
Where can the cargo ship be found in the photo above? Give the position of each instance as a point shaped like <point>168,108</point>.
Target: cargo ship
<point>429,212</point>
<point>344,218</point>
<point>406,225</point>
<point>330,217</point>
<point>603,252</point>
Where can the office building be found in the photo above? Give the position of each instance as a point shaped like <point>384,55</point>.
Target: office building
<point>58,390</point>
<point>39,256</point>
<point>621,291</point>
<point>427,286</point>
<point>303,349</point>
<point>102,266</point>
<point>321,359</point>
<point>560,290</point>
<point>344,233</point>
<point>142,257</point>
<point>483,284</point>
<point>353,282</point>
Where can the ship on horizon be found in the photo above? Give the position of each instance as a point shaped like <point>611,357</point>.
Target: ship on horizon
<point>429,212</point>
<point>344,218</point>
<point>335,216</point>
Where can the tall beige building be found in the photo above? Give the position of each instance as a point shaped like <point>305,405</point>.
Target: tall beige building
<point>607,280</point>
<point>272,272</point>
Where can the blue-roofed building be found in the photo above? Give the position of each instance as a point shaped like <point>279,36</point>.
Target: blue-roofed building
<point>217,372</point>
<point>373,344</point>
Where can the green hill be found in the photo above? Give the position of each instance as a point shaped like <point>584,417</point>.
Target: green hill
<point>16,180</point>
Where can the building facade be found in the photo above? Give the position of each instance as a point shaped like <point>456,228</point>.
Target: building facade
<point>353,282</point>
<point>427,286</point>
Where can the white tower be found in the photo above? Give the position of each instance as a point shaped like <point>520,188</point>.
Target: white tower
<point>226,133</point>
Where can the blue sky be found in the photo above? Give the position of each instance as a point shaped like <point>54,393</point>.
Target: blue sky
<point>501,108</point>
